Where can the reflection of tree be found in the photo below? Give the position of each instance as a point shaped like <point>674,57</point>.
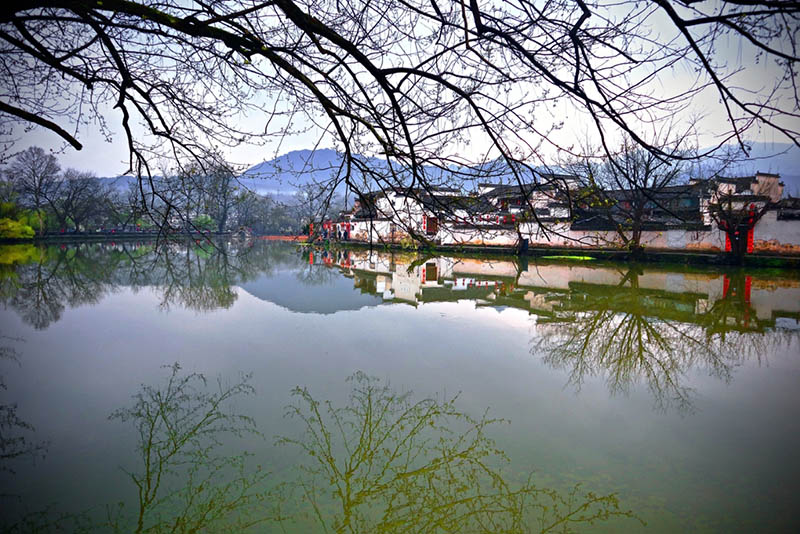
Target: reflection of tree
<point>185,481</point>
<point>195,275</point>
<point>43,288</point>
<point>198,278</point>
<point>388,463</point>
<point>14,440</point>
<point>383,463</point>
<point>631,335</point>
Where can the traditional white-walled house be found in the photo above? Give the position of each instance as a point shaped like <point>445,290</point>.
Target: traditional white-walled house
<point>541,214</point>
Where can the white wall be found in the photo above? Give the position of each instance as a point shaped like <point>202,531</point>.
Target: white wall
<point>770,235</point>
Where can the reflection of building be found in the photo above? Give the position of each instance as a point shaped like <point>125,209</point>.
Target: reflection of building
<point>557,291</point>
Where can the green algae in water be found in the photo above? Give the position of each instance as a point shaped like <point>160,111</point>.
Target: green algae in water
<point>571,258</point>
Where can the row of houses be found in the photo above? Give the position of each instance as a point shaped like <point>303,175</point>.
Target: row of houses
<point>558,210</point>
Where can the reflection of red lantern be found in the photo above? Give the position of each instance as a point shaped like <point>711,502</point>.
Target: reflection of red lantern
<point>748,282</point>
<point>311,258</point>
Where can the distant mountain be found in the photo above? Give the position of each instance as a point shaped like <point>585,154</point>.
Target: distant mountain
<point>289,173</point>
<point>286,175</point>
<point>283,177</point>
<point>121,183</point>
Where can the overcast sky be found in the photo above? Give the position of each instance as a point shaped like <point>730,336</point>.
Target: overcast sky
<point>111,158</point>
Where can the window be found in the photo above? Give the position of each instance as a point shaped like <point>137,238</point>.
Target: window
<point>432,227</point>
<point>430,272</point>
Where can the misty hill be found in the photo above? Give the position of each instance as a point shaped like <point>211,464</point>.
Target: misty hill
<point>282,177</point>
<point>288,174</point>
<point>285,175</point>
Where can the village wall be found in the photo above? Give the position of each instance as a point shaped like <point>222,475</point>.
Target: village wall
<point>770,235</point>
<point>774,235</point>
<point>561,235</point>
<point>374,231</point>
<point>502,237</point>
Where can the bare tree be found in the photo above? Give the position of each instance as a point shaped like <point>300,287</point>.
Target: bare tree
<point>124,207</point>
<point>220,188</point>
<point>411,81</point>
<point>34,174</point>
<point>74,198</point>
<point>737,215</point>
<point>634,187</point>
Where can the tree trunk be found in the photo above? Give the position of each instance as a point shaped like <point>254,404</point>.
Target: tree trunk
<point>738,240</point>
<point>634,245</point>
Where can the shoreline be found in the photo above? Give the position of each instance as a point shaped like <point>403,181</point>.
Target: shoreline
<point>568,254</point>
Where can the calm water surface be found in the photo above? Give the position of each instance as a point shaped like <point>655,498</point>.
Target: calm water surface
<point>281,389</point>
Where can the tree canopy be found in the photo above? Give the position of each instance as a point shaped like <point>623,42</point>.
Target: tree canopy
<point>414,81</point>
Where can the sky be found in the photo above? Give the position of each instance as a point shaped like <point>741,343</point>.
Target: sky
<point>110,158</point>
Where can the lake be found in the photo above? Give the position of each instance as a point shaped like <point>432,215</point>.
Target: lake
<point>268,387</point>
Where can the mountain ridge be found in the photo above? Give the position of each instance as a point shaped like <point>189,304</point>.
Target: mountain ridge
<point>284,176</point>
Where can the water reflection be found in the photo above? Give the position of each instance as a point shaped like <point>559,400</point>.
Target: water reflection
<point>185,482</point>
<point>387,462</point>
<point>43,282</point>
<point>16,434</point>
<point>631,335</point>
<point>383,462</point>
<point>627,324</point>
